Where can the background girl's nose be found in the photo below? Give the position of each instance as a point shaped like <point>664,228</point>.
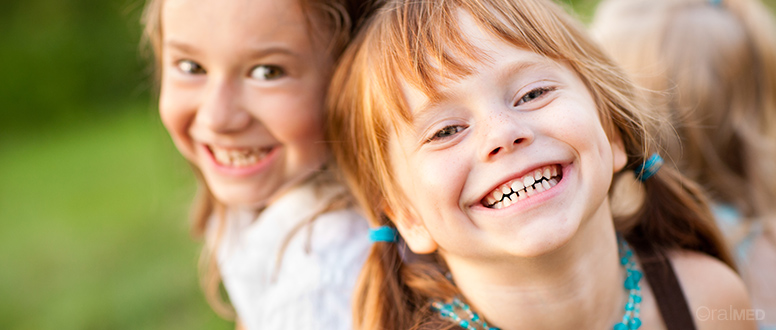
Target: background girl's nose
<point>221,109</point>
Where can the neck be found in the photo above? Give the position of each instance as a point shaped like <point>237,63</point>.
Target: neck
<point>578,286</point>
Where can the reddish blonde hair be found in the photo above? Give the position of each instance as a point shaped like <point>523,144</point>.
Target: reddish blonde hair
<point>332,21</point>
<point>419,43</point>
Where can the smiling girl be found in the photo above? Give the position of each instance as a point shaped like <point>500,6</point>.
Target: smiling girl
<point>489,133</point>
<point>242,93</point>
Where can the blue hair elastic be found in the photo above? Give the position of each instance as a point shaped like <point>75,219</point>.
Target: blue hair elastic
<point>716,2</point>
<point>383,234</point>
<point>649,168</point>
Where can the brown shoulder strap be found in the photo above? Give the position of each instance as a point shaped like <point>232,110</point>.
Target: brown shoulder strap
<point>668,293</point>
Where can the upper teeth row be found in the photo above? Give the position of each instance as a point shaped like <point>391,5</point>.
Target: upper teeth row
<point>540,179</point>
<point>239,157</point>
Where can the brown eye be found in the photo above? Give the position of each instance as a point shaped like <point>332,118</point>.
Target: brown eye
<point>267,72</point>
<point>190,67</point>
<point>446,132</point>
<point>532,95</point>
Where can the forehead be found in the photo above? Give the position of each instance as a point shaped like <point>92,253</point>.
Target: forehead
<point>234,21</point>
<point>485,56</point>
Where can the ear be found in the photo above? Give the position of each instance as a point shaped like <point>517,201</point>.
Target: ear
<point>619,157</point>
<point>413,231</point>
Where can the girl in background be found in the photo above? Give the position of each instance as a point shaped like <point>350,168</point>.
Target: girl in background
<point>488,133</point>
<point>242,92</point>
<point>710,68</point>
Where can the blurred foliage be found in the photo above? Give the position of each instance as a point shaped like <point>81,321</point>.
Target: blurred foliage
<point>94,232</point>
<point>68,60</point>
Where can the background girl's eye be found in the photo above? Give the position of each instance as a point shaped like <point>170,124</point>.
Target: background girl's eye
<point>532,95</point>
<point>267,72</point>
<point>446,132</point>
<point>190,67</point>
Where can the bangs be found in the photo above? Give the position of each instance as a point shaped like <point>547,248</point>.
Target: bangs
<point>420,44</point>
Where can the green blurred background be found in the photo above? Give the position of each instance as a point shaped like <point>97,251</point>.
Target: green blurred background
<point>93,195</point>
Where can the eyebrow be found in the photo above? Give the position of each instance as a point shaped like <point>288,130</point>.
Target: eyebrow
<point>255,52</point>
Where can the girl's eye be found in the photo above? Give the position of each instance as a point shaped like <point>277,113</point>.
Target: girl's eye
<point>190,67</point>
<point>533,94</point>
<point>267,72</point>
<point>446,132</point>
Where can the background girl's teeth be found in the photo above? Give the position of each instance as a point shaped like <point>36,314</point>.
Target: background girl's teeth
<point>507,202</point>
<point>528,180</point>
<point>553,182</point>
<point>546,185</point>
<point>537,175</point>
<point>546,172</point>
<point>529,190</point>
<point>539,188</point>
<point>554,171</point>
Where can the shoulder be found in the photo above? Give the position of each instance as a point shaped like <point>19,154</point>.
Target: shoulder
<point>340,229</point>
<point>716,295</point>
<point>339,241</point>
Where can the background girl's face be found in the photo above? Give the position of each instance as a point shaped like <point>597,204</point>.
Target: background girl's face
<point>242,94</point>
<point>520,122</point>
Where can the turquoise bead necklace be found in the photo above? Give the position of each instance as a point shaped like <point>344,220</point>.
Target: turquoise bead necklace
<point>461,314</point>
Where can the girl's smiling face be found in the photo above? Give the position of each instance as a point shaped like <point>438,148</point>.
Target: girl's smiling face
<point>242,92</point>
<point>521,125</point>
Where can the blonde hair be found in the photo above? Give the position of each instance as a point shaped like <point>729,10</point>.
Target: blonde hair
<point>332,21</point>
<point>419,43</point>
<point>710,69</point>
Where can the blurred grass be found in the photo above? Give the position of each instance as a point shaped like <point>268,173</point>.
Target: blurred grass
<point>95,231</point>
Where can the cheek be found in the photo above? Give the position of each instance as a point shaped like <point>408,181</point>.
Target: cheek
<point>177,115</point>
<point>299,122</point>
<point>440,179</point>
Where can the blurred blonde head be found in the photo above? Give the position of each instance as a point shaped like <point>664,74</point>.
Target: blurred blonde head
<point>330,25</point>
<point>711,70</point>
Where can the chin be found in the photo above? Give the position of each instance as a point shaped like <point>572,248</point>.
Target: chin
<point>236,197</point>
<point>543,240</point>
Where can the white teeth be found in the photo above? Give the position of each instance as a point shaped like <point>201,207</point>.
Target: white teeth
<point>531,184</point>
<point>497,195</point>
<point>529,180</point>
<point>491,200</point>
<point>517,185</point>
<point>239,157</point>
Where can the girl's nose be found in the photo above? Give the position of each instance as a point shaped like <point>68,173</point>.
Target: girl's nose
<point>221,109</point>
<point>503,133</point>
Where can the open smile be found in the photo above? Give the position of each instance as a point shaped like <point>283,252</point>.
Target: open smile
<point>537,181</point>
<point>239,157</point>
